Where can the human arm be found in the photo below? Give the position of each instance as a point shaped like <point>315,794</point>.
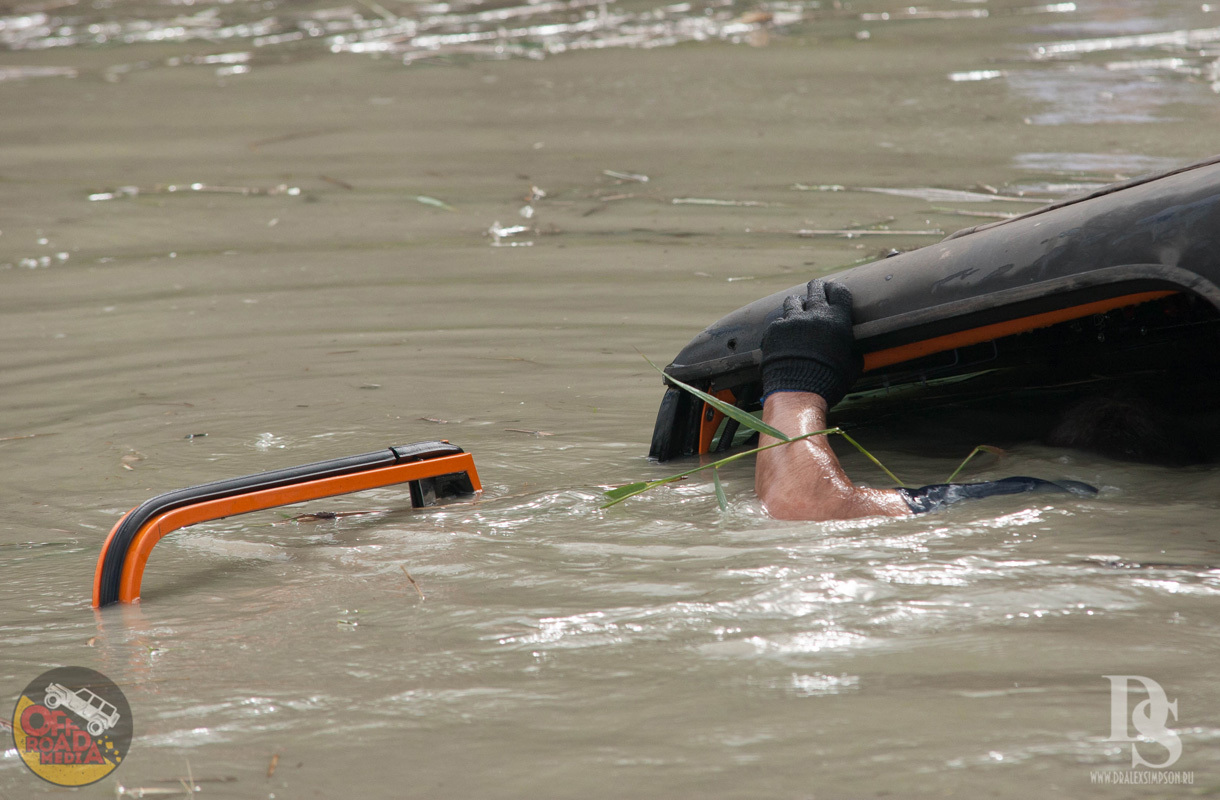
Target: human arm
<point>804,480</point>
<point>808,365</point>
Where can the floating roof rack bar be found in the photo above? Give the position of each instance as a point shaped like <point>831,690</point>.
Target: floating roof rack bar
<point>435,470</point>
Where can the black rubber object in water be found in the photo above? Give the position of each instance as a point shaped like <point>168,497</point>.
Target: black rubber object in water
<point>939,495</point>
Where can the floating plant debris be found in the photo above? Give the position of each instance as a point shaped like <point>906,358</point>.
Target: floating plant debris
<point>199,188</point>
<point>16,73</point>
<point>703,201</point>
<point>500,232</point>
<point>853,233</point>
<point>432,201</point>
<point>922,193</point>
<point>625,176</point>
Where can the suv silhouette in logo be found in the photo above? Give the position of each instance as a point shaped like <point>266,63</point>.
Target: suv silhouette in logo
<point>99,715</point>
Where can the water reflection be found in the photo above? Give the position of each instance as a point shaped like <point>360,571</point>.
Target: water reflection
<point>417,32</point>
<point>1079,80</point>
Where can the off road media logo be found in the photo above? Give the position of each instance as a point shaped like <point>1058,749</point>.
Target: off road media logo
<point>72,726</point>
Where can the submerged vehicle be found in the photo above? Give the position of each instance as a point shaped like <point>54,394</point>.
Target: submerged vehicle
<point>1116,288</point>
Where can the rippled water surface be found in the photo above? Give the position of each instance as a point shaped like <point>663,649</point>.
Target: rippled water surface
<point>242,236</point>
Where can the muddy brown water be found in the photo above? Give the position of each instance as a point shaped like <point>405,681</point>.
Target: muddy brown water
<point>196,241</point>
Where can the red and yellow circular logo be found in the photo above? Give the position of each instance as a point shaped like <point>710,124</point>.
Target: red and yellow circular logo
<point>72,726</point>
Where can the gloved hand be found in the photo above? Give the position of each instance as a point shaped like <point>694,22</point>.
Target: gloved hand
<point>809,349</point>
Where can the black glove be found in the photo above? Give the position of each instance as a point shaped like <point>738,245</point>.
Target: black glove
<point>809,349</point>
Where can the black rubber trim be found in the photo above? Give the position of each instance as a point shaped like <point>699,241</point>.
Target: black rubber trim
<point>975,312</point>
<point>666,438</point>
<point>422,451</point>
<point>1049,295</point>
<point>116,551</point>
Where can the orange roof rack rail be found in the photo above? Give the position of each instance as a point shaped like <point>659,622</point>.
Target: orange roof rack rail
<point>435,470</point>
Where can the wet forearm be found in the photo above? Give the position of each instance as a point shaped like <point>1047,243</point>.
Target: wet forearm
<point>804,480</point>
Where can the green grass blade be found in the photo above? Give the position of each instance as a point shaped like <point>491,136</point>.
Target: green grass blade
<point>618,495</point>
<point>720,498</point>
<point>871,458</point>
<point>626,491</point>
<point>632,489</point>
<point>728,409</point>
<point>982,448</point>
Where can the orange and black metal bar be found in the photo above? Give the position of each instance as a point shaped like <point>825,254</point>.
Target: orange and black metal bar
<point>435,470</point>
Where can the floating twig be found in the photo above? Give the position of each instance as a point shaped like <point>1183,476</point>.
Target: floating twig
<point>603,201</point>
<point>289,137</point>
<point>500,232</point>
<point>507,358</point>
<point>625,176</point>
<point>413,583</point>
<point>924,193</point>
<point>325,516</point>
<point>432,201</point>
<point>26,436</point>
<point>337,182</point>
<point>987,214</point>
<point>704,201</point>
<point>873,226</point>
<point>189,784</point>
<point>922,13</point>
<point>952,195</point>
<point>526,430</point>
<point>852,233</point>
<point>275,762</point>
<point>145,791</point>
<point>196,188</point>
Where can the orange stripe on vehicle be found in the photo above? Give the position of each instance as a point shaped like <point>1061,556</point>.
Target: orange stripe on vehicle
<point>939,344</point>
